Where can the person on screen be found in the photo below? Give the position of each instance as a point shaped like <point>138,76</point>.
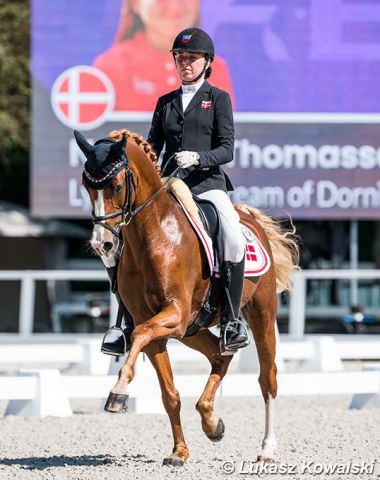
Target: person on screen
<point>139,63</point>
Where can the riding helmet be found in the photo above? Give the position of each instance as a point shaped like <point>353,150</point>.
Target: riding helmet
<point>194,40</point>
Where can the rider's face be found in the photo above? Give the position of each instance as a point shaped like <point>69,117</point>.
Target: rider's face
<point>189,65</point>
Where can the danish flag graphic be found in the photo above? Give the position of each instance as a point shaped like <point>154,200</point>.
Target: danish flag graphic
<point>250,253</point>
<point>82,96</point>
<point>206,104</point>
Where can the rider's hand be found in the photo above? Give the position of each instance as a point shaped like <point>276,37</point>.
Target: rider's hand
<point>186,159</point>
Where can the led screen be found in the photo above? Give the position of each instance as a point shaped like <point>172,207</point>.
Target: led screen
<point>303,76</point>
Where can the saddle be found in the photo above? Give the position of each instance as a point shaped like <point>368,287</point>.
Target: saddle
<point>209,216</point>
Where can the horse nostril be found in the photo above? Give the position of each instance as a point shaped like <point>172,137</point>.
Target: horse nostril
<point>107,246</point>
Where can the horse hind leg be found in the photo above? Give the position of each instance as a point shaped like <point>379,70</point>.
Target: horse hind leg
<point>208,344</point>
<point>269,444</point>
<point>262,323</point>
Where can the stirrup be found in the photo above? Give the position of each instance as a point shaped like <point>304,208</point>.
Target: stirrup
<point>108,332</point>
<point>226,349</point>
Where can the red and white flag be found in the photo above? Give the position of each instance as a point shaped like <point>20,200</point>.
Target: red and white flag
<point>82,97</point>
<point>206,104</point>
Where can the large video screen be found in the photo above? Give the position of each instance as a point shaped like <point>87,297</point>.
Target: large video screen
<point>303,76</point>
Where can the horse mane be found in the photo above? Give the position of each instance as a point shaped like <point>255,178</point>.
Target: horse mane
<point>140,141</point>
<point>177,185</point>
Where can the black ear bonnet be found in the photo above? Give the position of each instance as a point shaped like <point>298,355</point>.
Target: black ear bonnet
<point>105,159</point>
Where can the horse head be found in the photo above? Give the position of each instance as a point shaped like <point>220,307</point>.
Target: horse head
<point>104,175</point>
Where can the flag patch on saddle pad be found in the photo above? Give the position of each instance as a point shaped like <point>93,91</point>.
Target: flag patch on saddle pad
<point>206,104</point>
<point>257,260</point>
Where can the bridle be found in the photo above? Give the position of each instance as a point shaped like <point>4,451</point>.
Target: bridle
<point>126,212</point>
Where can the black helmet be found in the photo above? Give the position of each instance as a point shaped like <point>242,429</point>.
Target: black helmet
<point>194,40</point>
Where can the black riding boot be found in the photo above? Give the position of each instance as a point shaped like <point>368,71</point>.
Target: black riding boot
<point>233,333</point>
<point>123,343</point>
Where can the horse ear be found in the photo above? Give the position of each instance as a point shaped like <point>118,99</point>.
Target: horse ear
<point>119,147</point>
<point>82,142</point>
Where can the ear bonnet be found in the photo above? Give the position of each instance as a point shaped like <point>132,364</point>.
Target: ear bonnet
<point>104,160</point>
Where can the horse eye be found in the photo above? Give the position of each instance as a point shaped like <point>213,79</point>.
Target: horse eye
<point>119,188</point>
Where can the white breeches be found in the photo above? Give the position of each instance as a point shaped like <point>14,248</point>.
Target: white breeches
<point>233,238</point>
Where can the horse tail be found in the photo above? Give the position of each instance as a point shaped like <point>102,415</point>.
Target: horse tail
<point>283,244</point>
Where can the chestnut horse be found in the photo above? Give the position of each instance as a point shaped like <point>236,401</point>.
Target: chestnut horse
<point>163,277</point>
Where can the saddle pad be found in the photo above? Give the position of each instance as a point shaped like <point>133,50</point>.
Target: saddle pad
<point>202,235</point>
<point>257,261</point>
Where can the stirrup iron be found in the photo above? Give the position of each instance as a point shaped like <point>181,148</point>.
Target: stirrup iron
<point>108,332</point>
<point>226,349</point>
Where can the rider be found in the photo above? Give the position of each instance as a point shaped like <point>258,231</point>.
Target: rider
<point>195,124</point>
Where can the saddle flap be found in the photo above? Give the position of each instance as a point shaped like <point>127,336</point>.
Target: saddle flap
<point>209,216</point>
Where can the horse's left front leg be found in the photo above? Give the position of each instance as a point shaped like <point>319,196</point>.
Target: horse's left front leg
<point>159,358</point>
<point>161,325</point>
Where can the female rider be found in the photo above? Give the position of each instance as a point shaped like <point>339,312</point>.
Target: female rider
<point>195,124</point>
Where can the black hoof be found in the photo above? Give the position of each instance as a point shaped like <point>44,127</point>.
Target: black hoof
<point>219,432</point>
<point>116,403</point>
<point>173,462</point>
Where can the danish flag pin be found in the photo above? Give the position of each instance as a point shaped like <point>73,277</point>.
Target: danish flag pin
<point>206,104</point>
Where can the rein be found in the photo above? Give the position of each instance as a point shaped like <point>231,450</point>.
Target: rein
<point>126,211</point>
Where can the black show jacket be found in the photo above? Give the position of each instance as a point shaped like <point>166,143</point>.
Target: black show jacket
<point>206,127</point>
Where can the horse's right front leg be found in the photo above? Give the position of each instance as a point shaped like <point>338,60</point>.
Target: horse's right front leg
<point>161,325</point>
<point>159,358</point>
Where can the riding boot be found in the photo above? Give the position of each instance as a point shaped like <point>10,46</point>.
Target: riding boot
<point>233,333</point>
<point>123,343</point>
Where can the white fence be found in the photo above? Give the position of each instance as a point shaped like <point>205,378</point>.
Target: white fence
<point>297,312</point>
<point>297,309</point>
<point>43,390</point>
<point>47,392</point>
<point>28,280</point>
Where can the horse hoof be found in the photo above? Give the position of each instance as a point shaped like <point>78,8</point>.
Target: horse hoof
<point>116,403</point>
<point>266,459</point>
<point>219,432</point>
<point>173,462</point>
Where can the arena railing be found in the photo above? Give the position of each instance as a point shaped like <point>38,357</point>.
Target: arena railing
<point>297,306</point>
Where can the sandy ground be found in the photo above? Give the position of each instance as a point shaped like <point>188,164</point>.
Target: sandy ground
<point>313,433</point>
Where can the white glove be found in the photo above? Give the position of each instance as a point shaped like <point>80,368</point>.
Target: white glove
<point>186,159</point>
